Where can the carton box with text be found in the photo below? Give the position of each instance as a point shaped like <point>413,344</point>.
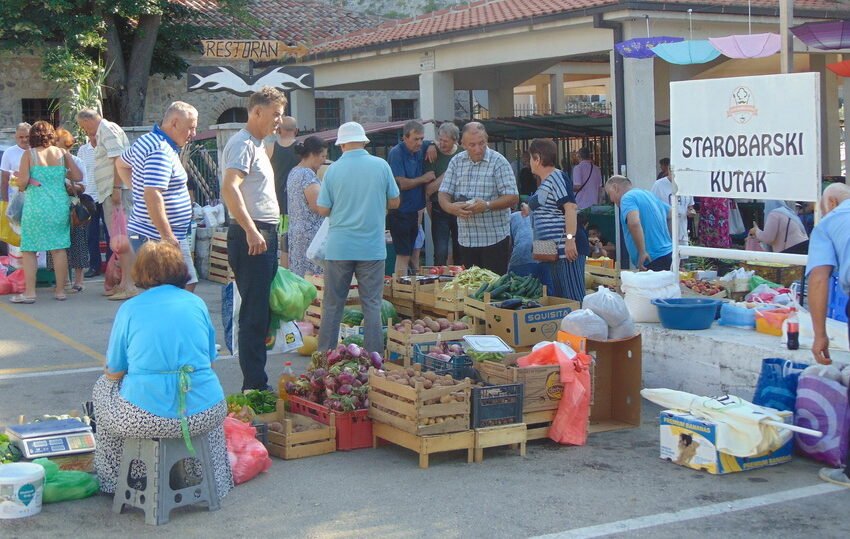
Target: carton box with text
<point>527,327</point>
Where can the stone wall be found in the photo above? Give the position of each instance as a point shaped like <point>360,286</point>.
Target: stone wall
<point>20,78</point>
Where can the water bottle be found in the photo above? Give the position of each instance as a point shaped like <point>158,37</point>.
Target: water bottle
<point>793,330</point>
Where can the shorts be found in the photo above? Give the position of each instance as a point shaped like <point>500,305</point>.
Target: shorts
<point>403,228</point>
<point>283,232</point>
<point>137,240</point>
<point>420,239</point>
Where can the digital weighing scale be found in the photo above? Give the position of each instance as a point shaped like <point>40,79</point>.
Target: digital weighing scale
<point>52,438</point>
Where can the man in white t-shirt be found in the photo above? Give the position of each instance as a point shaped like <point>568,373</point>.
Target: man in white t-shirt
<point>663,190</point>
<point>86,154</point>
<point>12,158</point>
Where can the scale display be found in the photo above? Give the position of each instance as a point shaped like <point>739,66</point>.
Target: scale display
<point>52,438</point>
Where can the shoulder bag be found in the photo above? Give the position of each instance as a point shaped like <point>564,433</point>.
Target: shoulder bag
<point>545,250</point>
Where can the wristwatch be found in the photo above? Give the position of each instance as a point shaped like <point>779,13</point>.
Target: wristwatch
<point>570,236</point>
<point>488,205</point>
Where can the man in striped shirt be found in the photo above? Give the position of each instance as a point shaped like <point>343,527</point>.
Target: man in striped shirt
<point>162,209</point>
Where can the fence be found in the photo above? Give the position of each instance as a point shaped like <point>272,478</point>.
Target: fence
<point>201,165</point>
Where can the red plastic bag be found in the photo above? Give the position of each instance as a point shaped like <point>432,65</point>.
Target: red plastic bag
<point>113,273</point>
<point>5,285</point>
<point>118,241</point>
<point>248,457</point>
<point>570,423</point>
<point>17,281</point>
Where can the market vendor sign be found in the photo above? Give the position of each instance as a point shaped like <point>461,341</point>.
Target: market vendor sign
<point>747,137</point>
<point>250,49</point>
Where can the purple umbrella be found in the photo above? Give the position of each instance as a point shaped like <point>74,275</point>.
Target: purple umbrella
<point>747,46</point>
<point>641,47</point>
<point>829,35</point>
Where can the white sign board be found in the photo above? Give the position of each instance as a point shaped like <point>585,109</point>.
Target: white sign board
<point>747,137</point>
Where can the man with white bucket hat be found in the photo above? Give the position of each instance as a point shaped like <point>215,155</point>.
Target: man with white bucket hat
<point>356,193</point>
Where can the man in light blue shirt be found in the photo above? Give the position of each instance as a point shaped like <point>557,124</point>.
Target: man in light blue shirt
<point>829,250</point>
<point>356,193</point>
<point>646,224</point>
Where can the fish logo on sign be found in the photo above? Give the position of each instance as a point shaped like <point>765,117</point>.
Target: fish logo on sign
<point>741,105</point>
<point>225,79</point>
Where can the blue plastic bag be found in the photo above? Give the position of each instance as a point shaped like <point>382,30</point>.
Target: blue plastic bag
<point>777,384</point>
<point>227,314</point>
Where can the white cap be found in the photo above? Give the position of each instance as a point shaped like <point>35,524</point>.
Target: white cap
<point>350,132</point>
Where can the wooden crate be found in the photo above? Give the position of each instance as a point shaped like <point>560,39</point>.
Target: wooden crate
<point>538,423</point>
<point>400,344</point>
<point>594,276</point>
<point>476,308</point>
<point>219,266</point>
<point>425,445</point>
<point>513,435</point>
<point>450,300</point>
<point>388,289</point>
<point>542,387</point>
<point>403,291</point>
<point>319,282</point>
<point>387,398</point>
<point>318,439</point>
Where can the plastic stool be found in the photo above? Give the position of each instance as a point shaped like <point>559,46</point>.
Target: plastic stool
<point>155,496</point>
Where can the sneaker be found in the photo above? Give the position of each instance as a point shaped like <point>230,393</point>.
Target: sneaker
<point>122,295</point>
<point>91,273</point>
<point>835,476</point>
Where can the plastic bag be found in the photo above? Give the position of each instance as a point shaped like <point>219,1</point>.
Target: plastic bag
<point>752,244</point>
<point>623,331</point>
<point>112,277</point>
<point>777,384</point>
<point>290,295</point>
<point>62,485</point>
<point>608,306</point>
<point>316,250</point>
<point>822,405</point>
<point>17,280</point>
<point>248,457</point>
<point>15,209</point>
<point>227,314</point>
<point>7,233</point>
<point>756,281</point>
<point>585,323</point>
<point>641,288</point>
<point>118,241</point>
<point>570,423</point>
<point>283,337</point>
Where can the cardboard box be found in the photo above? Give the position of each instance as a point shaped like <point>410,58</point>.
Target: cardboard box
<point>528,327</point>
<point>689,441</point>
<point>542,387</point>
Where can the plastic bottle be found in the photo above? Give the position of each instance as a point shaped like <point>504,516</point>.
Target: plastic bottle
<point>287,376</point>
<point>793,330</point>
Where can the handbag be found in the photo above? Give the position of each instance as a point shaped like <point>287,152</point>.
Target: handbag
<point>82,210</point>
<point>74,189</point>
<point>544,250</point>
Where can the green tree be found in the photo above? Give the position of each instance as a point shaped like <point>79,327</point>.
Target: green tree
<point>132,38</point>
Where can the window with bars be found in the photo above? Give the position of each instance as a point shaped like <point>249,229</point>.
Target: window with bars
<point>233,115</point>
<point>328,114</point>
<point>403,109</point>
<point>33,110</point>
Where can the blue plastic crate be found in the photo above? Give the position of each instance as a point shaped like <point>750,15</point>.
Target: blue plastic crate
<point>457,367</point>
<point>496,405</point>
<point>837,301</point>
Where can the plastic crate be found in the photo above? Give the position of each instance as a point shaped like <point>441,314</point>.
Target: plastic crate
<point>837,301</point>
<point>262,432</point>
<point>353,429</point>
<point>495,405</point>
<point>456,367</point>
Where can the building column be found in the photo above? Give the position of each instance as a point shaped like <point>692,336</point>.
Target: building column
<point>436,99</point>
<point>501,101</point>
<point>541,99</point>
<point>556,92</point>
<point>639,90</point>
<point>303,109</point>
<point>830,127</point>
<point>845,94</point>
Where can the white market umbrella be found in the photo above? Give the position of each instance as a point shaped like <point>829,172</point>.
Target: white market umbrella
<point>743,429</point>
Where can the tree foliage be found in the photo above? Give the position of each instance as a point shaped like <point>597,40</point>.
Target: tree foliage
<point>119,42</point>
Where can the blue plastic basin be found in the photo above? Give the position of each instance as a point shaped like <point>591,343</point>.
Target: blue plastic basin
<point>687,313</point>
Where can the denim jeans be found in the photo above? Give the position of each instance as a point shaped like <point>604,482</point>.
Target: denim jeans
<point>254,275</point>
<point>370,284</point>
<point>444,227</point>
<point>94,238</point>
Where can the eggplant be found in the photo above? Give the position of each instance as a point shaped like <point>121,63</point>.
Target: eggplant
<point>345,389</point>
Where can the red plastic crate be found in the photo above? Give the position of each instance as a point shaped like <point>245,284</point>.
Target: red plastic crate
<point>353,429</point>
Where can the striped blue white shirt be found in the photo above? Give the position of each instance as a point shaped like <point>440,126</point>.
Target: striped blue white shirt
<point>155,161</point>
<point>549,221</point>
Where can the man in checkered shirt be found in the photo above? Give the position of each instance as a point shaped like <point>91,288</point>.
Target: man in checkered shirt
<point>479,187</point>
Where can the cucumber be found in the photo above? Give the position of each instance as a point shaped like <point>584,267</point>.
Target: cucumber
<point>498,291</point>
<point>480,292</point>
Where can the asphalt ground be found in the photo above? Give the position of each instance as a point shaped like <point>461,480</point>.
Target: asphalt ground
<point>616,486</point>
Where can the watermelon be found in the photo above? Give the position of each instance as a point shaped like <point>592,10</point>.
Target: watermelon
<point>353,316</point>
<point>387,312</point>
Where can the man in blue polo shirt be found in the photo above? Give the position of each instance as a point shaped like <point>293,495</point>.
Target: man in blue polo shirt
<point>162,209</point>
<point>646,224</point>
<point>829,253</point>
<point>407,161</point>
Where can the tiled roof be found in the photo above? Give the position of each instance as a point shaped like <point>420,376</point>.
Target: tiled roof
<point>485,13</point>
<point>293,21</point>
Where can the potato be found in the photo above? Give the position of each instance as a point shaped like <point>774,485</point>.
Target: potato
<point>458,326</point>
<point>410,372</point>
<point>445,399</point>
<point>275,426</point>
<point>433,326</point>
<point>430,375</point>
<point>427,384</point>
<point>445,323</point>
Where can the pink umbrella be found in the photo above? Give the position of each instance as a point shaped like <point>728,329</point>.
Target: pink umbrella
<point>747,46</point>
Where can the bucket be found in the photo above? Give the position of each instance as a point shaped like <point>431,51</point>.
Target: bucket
<point>21,488</point>
<point>687,313</point>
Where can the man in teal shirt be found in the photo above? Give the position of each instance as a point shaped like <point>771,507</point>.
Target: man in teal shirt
<point>356,193</point>
<point>646,224</point>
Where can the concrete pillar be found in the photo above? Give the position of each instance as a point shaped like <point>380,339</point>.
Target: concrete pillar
<point>639,89</point>
<point>830,126</point>
<point>845,94</point>
<point>541,99</point>
<point>612,99</point>
<point>303,109</point>
<point>436,99</point>
<point>556,93</point>
<point>501,102</point>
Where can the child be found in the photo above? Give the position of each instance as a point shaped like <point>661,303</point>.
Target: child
<point>597,243</point>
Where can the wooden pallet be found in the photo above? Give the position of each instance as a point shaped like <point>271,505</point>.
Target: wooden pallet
<point>291,444</point>
<point>597,275</point>
<point>514,435</point>
<point>425,446</point>
<point>219,266</point>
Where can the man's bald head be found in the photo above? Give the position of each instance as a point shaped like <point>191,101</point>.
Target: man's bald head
<point>833,196</point>
<point>288,126</point>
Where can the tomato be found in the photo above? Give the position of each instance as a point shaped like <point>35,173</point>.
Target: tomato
<point>437,270</point>
<point>455,269</point>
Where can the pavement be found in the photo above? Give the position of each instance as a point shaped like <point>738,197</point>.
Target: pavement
<point>616,486</point>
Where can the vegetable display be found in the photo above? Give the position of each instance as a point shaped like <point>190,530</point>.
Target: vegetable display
<point>426,380</point>
<point>485,356</point>
<point>8,451</point>
<point>473,277</point>
<point>444,270</point>
<point>429,325</point>
<point>338,379</point>
<point>353,316</point>
<point>704,288</point>
<point>510,286</point>
<point>254,402</point>
<point>445,352</point>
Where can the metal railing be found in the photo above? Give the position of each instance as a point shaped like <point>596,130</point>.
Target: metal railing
<point>201,163</point>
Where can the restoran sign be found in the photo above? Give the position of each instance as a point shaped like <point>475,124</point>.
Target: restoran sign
<point>747,137</point>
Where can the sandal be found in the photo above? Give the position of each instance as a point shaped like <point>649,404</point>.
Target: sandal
<point>20,298</point>
<point>60,297</point>
<point>73,289</point>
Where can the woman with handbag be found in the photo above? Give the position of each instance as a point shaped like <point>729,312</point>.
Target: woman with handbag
<point>78,253</point>
<point>45,222</point>
<point>783,230</point>
<point>558,240</point>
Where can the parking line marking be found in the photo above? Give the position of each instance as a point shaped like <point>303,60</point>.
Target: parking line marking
<point>50,373</point>
<point>56,335</point>
<point>50,368</point>
<point>661,519</point>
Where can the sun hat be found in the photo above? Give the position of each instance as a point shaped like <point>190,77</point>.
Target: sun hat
<point>350,132</point>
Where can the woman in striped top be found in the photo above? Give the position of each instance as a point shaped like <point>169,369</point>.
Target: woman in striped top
<point>555,218</point>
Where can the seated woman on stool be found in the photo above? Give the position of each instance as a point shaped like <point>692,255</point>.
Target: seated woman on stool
<point>158,381</point>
